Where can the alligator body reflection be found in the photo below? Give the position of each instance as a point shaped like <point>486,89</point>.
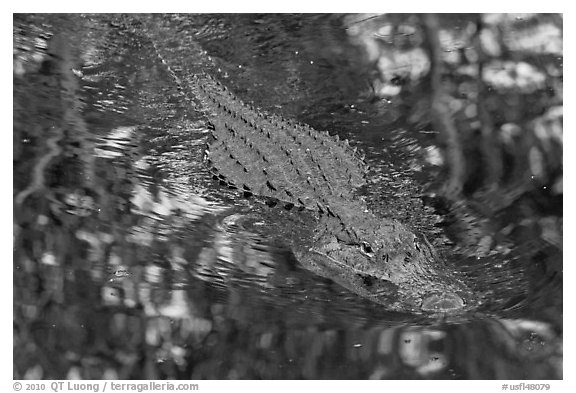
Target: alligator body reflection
<point>267,155</point>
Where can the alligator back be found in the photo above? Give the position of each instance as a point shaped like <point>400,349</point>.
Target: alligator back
<point>273,157</point>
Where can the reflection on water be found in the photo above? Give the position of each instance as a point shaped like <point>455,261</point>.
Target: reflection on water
<point>131,262</point>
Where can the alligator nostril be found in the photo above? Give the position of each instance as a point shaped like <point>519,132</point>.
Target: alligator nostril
<point>442,302</point>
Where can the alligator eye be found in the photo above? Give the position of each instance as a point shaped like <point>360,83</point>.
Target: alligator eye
<point>397,81</point>
<point>366,248</point>
<point>416,245</point>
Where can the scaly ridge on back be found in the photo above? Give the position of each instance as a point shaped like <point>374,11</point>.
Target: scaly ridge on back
<point>274,157</point>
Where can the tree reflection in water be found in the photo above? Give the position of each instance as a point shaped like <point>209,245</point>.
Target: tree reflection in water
<point>130,263</point>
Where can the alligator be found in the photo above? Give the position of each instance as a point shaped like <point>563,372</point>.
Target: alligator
<point>267,155</point>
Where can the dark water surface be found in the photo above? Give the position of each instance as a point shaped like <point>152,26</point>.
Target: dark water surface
<point>130,261</point>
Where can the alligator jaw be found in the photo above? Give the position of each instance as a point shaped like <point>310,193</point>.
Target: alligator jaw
<point>405,279</point>
<point>366,285</point>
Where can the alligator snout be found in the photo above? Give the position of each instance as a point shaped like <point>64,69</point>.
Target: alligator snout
<point>442,302</point>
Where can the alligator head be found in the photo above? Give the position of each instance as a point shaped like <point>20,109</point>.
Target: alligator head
<point>385,262</point>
